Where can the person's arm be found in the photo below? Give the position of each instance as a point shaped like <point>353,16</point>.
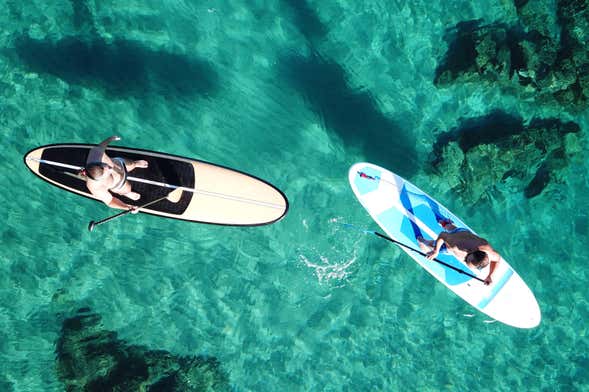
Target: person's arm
<point>494,260</point>
<point>107,198</point>
<point>118,203</point>
<point>106,142</point>
<point>96,153</point>
<point>438,245</point>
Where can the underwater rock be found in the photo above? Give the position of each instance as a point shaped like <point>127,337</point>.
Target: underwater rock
<point>480,51</point>
<point>500,152</point>
<point>573,16</point>
<point>90,358</point>
<point>83,17</point>
<point>544,57</point>
<point>537,16</point>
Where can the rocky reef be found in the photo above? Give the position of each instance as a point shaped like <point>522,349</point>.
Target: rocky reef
<point>477,52</point>
<point>90,358</point>
<point>502,152</point>
<point>544,57</point>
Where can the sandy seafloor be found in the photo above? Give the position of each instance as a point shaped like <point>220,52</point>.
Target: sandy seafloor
<point>304,304</point>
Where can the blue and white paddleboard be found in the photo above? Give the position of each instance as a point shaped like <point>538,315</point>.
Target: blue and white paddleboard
<point>404,211</point>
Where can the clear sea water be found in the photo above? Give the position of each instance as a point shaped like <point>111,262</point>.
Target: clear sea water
<point>304,304</point>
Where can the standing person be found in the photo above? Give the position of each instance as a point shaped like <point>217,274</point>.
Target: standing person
<point>106,177</point>
<point>474,250</point>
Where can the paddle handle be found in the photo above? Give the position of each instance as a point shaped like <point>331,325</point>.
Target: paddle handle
<point>93,224</point>
<point>425,254</point>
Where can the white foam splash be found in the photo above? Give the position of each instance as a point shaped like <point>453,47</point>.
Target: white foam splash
<point>305,224</point>
<point>327,271</point>
<point>332,263</point>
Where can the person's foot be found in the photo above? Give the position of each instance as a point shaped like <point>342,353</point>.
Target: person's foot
<point>424,245</point>
<point>133,195</point>
<point>141,163</point>
<point>445,223</point>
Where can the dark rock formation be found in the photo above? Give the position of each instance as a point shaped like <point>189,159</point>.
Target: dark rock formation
<point>83,17</point>
<point>539,17</point>
<point>90,358</point>
<point>476,51</point>
<point>545,56</point>
<point>573,16</point>
<point>499,151</point>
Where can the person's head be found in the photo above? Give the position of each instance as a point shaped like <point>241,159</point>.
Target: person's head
<point>97,170</point>
<point>477,259</point>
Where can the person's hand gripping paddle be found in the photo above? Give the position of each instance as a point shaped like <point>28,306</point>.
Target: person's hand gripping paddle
<point>173,196</point>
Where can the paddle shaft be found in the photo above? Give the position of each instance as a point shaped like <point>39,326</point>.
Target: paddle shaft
<point>93,224</point>
<point>424,254</point>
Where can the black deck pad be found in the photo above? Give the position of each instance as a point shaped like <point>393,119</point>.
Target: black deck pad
<point>166,170</point>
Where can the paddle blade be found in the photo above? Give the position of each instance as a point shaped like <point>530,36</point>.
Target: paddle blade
<point>175,195</point>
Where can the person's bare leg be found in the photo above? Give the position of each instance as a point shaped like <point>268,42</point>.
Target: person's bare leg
<point>130,165</point>
<point>425,245</point>
<point>126,191</point>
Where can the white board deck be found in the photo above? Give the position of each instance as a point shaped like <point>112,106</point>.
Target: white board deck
<point>397,205</point>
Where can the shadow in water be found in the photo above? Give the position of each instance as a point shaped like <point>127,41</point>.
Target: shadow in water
<point>350,113</point>
<point>491,128</point>
<point>306,20</point>
<point>121,68</point>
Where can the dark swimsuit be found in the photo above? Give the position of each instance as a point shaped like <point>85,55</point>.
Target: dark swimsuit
<point>443,248</point>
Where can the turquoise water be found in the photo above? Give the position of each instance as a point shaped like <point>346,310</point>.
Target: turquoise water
<point>293,92</point>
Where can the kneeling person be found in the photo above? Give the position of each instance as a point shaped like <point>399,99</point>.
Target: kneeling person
<point>464,245</point>
<point>105,176</point>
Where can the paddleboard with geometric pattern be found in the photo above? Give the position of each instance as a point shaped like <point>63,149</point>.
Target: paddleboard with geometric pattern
<point>404,212</point>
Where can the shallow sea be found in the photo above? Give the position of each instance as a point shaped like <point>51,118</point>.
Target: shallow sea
<point>293,92</point>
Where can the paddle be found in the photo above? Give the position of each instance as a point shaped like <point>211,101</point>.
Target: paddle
<point>415,250</point>
<point>173,196</point>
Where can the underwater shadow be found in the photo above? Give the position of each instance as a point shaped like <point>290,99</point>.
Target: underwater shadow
<point>306,20</point>
<point>491,128</point>
<point>121,68</point>
<point>352,114</point>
